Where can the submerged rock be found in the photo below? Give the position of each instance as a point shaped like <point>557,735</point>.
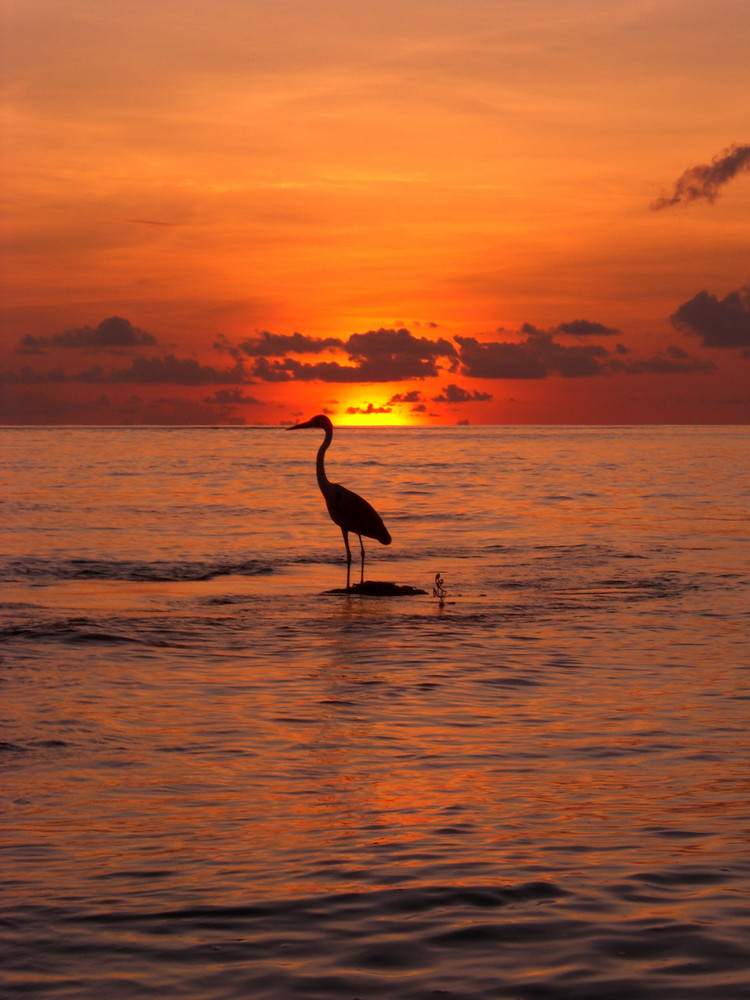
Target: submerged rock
<point>378,588</point>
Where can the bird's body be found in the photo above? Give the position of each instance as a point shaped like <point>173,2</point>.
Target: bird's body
<point>351,512</point>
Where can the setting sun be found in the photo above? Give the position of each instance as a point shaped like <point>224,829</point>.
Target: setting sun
<point>375,407</point>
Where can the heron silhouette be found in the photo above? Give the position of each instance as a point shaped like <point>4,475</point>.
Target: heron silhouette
<point>348,510</point>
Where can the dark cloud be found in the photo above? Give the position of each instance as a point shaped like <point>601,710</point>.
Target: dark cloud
<point>705,180</point>
<point>585,328</point>
<point>369,409</point>
<point>381,345</point>
<point>536,357</point>
<point>112,332</point>
<point>146,371</point>
<point>395,368</point>
<point>278,371</point>
<point>32,406</point>
<point>180,411</point>
<point>274,345</point>
<point>406,397</point>
<point>456,394</point>
<point>718,322</point>
<point>45,407</point>
<point>672,361</point>
<point>540,356</point>
<point>28,376</point>
<point>290,370</point>
<point>390,355</point>
<point>32,345</point>
<point>385,355</point>
<point>231,397</point>
<point>499,359</point>
<point>225,346</point>
<point>172,370</point>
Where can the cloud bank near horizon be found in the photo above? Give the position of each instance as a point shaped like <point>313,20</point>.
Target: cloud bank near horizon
<point>395,354</point>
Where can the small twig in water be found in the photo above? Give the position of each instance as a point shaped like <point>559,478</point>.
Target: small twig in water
<point>438,589</point>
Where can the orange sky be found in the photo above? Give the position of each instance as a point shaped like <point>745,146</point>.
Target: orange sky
<point>452,205</point>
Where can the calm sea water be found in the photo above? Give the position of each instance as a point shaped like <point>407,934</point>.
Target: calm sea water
<point>221,782</point>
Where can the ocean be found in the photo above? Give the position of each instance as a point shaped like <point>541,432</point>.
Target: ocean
<point>221,780</point>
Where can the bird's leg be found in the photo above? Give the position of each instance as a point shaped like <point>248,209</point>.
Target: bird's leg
<point>362,567</point>
<point>345,533</point>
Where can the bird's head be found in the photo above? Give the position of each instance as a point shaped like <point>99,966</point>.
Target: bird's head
<point>321,420</point>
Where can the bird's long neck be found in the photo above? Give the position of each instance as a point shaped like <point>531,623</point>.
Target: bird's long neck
<point>320,463</point>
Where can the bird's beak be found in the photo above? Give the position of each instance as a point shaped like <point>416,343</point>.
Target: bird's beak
<point>298,426</point>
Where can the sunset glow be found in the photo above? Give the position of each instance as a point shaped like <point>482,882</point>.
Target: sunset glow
<point>507,212</point>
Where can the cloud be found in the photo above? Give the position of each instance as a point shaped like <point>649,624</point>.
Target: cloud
<point>414,396</point>
<point>672,361</point>
<point>676,352</point>
<point>369,409</point>
<point>384,355</point>
<point>499,359</point>
<point>704,180</point>
<point>536,357</point>
<point>172,370</point>
<point>28,376</point>
<point>388,355</point>
<point>291,370</point>
<point>540,356</point>
<point>42,407</point>
<point>225,346</point>
<point>274,345</point>
<point>231,397</point>
<point>112,332</point>
<point>456,394</point>
<point>388,344</point>
<point>145,371</point>
<point>585,328</point>
<point>718,322</point>
<point>166,410</point>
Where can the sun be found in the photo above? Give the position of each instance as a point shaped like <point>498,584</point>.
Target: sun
<point>373,409</point>
<point>375,420</point>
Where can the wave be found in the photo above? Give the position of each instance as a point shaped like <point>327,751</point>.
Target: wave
<point>37,571</point>
<point>529,940</point>
<point>152,632</point>
<point>75,631</point>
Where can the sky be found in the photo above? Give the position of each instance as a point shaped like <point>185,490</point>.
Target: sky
<point>485,211</point>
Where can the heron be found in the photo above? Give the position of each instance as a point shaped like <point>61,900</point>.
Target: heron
<point>348,510</point>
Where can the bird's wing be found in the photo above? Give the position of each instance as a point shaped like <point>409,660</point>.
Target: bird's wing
<point>353,513</point>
